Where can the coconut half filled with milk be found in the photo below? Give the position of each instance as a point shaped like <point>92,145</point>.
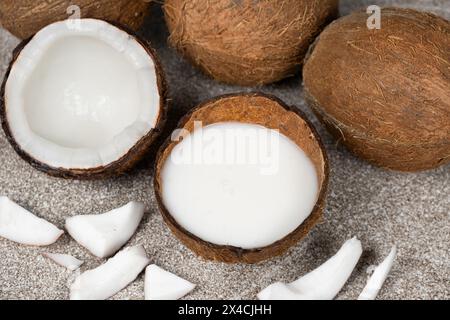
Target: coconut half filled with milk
<point>242,179</point>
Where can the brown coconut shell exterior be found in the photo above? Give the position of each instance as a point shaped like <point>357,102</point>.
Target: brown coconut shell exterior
<point>118,167</point>
<point>247,42</point>
<point>24,18</point>
<point>270,112</point>
<point>385,93</point>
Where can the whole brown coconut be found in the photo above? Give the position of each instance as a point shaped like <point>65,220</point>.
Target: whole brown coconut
<point>272,113</point>
<point>247,42</point>
<point>385,93</point>
<point>24,18</point>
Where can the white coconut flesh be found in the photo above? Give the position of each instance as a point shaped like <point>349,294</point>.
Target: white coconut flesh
<point>379,276</point>
<point>104,234</point>
<point>64,260</point>
<point>323,283</point>
<point>19,225</point>
<point>238,184</point>
<point>111,277</point>
<point>163,285</point>
<point>81,94</point>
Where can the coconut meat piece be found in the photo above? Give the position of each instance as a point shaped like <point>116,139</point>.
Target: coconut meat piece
<point>104,234</point>
<point>111,277</point>
<point>379,276</point>
<point>239,184</point>
<point>19,225</point>
<point>323,283</point>
<point>163,285</point>
<point>64,260</point>
<point>81,94</point>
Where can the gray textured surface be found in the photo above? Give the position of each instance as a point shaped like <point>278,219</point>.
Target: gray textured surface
<point>380,207</point>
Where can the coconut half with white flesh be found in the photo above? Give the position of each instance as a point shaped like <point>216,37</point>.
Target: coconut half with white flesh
<point>83,99</point>
<point>243,178</point>
<point>104,234</point>
<point>19,225</point>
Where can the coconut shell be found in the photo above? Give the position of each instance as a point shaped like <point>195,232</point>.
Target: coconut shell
<point>267,111</point>
<point>247,42</point>
<point>385,93</point>
<point>118,167</point>
<point>24,18</point>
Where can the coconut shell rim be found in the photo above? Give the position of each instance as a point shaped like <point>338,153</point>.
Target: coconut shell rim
<point>237,254</point>
<point>113,168</point>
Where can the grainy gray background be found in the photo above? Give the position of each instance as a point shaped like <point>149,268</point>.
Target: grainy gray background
<point>381,208</point>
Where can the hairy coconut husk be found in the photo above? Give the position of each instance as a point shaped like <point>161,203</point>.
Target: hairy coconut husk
<point>247,42</point>
<point>118,167</point>
<point>385,93</point>
<point>272,113</point>
<point>24,18</point>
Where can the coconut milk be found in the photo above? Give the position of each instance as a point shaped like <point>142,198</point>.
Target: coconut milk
<point>239,184</point>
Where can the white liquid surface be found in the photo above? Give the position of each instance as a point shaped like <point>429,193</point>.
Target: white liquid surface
<point>239,184</point>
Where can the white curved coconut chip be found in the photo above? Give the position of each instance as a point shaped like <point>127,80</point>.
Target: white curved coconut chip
<point>111,277</point>
<point>323,283</point>
<point>379,276</point>
<point>20,225</point>
<point>64,260</point>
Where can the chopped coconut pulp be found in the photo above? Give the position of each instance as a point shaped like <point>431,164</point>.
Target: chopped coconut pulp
<point>239,184</point>
<point>323,283</point>
<point>81,94</point>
